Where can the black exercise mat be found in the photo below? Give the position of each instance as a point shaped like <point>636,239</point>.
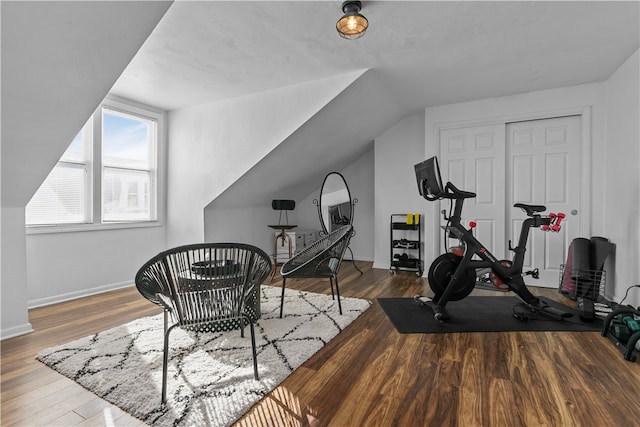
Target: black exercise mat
<point>476,314</point>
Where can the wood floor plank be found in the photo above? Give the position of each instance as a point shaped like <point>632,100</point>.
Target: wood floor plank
<point>47,409</point>
<point>472,381</point>
<point>368,375</point>
<point>501,409</point>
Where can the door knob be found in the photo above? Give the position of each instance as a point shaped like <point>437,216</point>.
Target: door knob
<point>574,212</point>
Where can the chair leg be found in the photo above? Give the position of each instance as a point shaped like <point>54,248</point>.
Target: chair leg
<point>166,320</point>
<point>282,296</point>
<point>338,293</point>
<point>165,361</point>
<point>333,296</point>
<point>253,348</point>
<point>353,261</point>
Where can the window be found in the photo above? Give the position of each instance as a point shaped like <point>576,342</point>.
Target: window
<point>107,176</point>
<point>127,166</point>
<point>65,195</point>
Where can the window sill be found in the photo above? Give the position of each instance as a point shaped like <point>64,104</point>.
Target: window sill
<point>74,228</point>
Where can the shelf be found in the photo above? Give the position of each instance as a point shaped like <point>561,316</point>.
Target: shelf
<point>411,263</point>
<point>405,240</point>
<point>405,244</point>
<point>404,226</point>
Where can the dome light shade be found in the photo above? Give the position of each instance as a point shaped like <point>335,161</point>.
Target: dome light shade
<point>352,25</point>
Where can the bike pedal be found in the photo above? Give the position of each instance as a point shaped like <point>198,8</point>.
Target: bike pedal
<point>535,273</point>
<point>586,308</point>
<point>422,299</point>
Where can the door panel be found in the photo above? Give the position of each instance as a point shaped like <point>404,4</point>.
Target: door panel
<point>473,159</point>
<point>544,168</point>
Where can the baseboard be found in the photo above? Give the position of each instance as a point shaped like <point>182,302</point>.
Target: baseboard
<point>356,258</point>
<point>16,331</point>
<point>41,302</point>
<point>381,266</point>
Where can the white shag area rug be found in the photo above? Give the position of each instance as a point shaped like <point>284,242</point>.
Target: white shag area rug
<point>210,376</point>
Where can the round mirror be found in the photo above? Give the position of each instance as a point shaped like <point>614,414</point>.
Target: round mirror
<point>335,203</point>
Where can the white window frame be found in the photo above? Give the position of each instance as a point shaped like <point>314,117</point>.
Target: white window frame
<point>158,207</point>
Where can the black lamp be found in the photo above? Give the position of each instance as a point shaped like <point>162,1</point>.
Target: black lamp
<point>283,205</point>
<point>352,25</point>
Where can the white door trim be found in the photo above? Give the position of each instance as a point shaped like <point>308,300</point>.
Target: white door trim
<point>584,111</point>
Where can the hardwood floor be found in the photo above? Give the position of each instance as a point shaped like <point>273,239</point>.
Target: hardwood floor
<point>369,375</point>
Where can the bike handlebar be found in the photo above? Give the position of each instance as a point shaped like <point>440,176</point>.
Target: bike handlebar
<point>453,192</point>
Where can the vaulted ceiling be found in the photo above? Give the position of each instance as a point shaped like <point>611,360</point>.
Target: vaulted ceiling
<point>418,53</point>
<point>427,52</point>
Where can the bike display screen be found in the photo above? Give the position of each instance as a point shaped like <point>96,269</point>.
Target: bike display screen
<point>429,179</point>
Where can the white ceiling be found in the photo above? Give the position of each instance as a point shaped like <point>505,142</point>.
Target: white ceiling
<point>427,53</point>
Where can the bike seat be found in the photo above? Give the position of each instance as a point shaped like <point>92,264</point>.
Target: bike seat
<point>530,209</point>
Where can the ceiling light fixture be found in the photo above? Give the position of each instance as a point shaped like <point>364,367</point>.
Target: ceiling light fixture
<point>352,25</point>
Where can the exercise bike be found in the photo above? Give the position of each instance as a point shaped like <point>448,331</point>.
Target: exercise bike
<point>452,275</point>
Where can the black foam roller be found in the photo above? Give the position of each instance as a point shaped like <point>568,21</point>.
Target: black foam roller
<point>568,286</point>
<point>600,250</point>
<point>581,271</point>
<point>581,259</point>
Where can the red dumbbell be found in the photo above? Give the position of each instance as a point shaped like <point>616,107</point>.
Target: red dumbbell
<point>547,227</point>
<point>556,226</point>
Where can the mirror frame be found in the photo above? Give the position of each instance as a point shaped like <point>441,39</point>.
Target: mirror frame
<point>318,202</point>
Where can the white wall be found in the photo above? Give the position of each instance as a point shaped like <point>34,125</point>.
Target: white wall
<point>396,192</point>
<point>15,320</point>
<point>307,212</point>
<point>360,177</point>
<point>621,195</point>
<point>63,266</point>
<point>243,225</point>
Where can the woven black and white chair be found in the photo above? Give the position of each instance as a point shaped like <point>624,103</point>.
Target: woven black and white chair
<point>207,287</point>
<point>320,260</point>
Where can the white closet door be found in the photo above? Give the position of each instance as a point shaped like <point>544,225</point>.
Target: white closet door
<point>534,162</point>
<point>544,168</point>
<point>473,159</point>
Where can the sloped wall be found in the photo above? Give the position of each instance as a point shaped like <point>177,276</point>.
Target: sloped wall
<point>213,145</point>
<point>59,60</point>
<point>334,137</point>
